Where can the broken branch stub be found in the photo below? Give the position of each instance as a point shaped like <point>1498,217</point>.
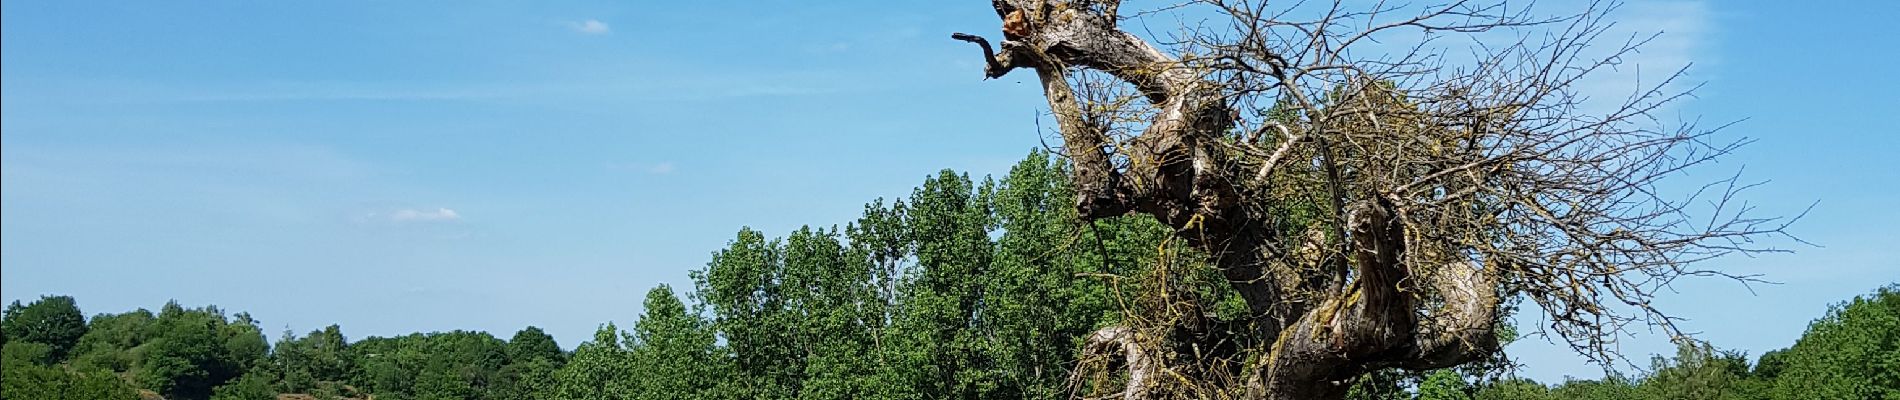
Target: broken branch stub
<point>1402,201</point>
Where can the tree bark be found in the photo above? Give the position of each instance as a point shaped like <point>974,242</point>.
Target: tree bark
<point>1176,171</point>
<point>1404,197</point>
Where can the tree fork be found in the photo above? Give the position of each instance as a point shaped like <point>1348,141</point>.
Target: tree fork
<point>1431,190</point>
<point>1179,174</point>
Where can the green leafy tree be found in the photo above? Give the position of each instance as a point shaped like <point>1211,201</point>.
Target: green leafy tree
<point>1699,371</point>
<point>188,352</point>
<point>383,363</point>
<point>531,379</point>
<point>600,369</point>
<point>743,285</point>
<point>26,353</point>
<point>459,365</point>
<point>1851,353</point>
<point>251,386</point>
<point>673,351</point>
<point>533,358</point>
<point>1444,384</point>
<point>533,343</point>
<point>52,320</point>
<point>110,339</point>
<point>27,373</point>
<point>1384,384</point>
<point>317,362</point>
<point>243,344</point>
<point>436,365</point>
<point>935,352</point>
<point>41,382</point>
<point>961,290</point>
<point>1610,387</point>
<point>879,244</point>
<point>832,293</point>
<point>1046,286</point>
<point>1770,365</point>
<point>1514,389</point>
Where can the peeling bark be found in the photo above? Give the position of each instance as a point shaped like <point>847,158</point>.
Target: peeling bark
<point>1391,280</point>
<point>1178,173</point>
<point>1142,368</point>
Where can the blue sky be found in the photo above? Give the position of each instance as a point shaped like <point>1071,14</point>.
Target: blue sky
<point>414,166</point>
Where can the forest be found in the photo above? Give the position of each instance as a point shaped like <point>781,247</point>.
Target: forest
<point>965,289</point>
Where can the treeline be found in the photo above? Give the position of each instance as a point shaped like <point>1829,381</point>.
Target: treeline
<point>965,289</point>
<point>51,352</point>
<point>1853,352</point>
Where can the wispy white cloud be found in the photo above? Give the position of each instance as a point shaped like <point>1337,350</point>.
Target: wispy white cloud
<point>590,27</point>
<point>661,168</point>
<point>415,215</point>
<point>1670,35</point>
<point>1682,33</point>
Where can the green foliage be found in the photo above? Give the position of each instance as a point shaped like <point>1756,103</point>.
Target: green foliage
<point>1048,281</point>
<point>673,352</point>
<point>1771,364</point>
<point>451,365</point>
<point>52,320</point>
<point>533,358</point>
<point>933,349</point>
<point>1699,372</point>
<point>41,382</point>
<point>187,352</point>
<point>599,369</point>
<point>315,362</point>
<point>27,372</point>
<point>531,344</point>
<point>26,353</point>
<point>528,379</point>
<point>180,353</point>
<point>824,294</point>
<point>964,289</point>
<point>1385,384</point>
<point>1444,384</point>
<point>743,285</point>
<point>111,338</point>
<point>1513,389</point>
<point>1851,353</point>
<point>251,386</point>
<point>1610,387</point>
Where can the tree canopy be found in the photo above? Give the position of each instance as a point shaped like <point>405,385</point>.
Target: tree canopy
<point>54,321</point>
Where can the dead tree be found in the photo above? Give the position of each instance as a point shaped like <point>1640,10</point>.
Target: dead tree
<point>1373,208</point>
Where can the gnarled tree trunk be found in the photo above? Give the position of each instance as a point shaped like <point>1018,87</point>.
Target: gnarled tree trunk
<point>1430,195</point>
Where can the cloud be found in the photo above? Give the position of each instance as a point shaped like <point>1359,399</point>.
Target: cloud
<point>661,168</point>
<point>1683,33</point>
<point>590,27</point>
<point>439,214</point>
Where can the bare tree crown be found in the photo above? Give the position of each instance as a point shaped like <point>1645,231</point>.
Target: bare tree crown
<point>1376,208</point>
